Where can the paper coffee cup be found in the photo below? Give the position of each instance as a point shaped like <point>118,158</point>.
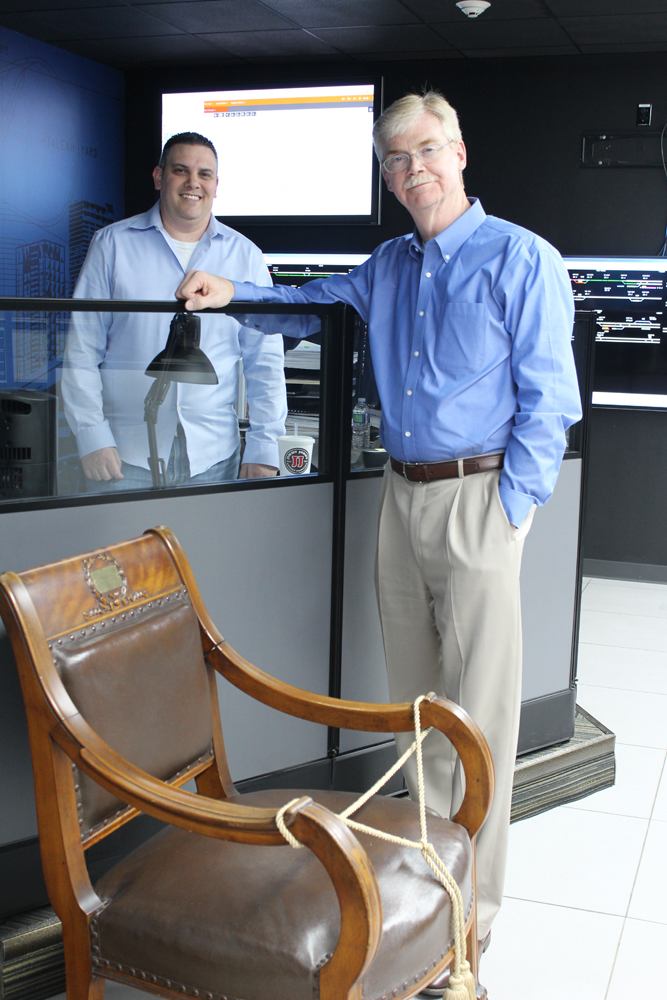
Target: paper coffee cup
<point>296,453</point>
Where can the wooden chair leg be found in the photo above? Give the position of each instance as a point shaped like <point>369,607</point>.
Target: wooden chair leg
<point>472,938</point>
<point>81,983</point>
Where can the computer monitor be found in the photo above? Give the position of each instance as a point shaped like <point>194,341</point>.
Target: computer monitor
<point>302,359</point>
<point>289,154</point>
<point>628,296</point>
<point>297,268</point>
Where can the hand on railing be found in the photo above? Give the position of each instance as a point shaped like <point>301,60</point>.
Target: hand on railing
<point>205,291</point>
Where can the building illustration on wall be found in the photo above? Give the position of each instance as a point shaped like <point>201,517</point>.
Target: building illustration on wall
<point>61,179</point>
<point>85,219</point>
<point>39,337</point>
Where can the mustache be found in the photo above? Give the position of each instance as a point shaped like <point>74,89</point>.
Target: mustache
<point>417,180</point>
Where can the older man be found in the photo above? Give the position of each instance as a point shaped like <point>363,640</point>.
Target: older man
<point>104,385</point>
<point>470,321</point>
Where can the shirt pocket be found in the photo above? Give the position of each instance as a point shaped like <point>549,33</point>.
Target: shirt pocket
<point>461,337</point>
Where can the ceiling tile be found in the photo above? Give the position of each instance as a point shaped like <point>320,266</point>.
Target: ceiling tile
<point>618,29</point>
<point>148,50</point>
<point>436,11</point>
<point>280,44</point>
<point>27,24</point>
<point>626,47</point>
<point>432,55</point>
<point>547,50</point>
<point>406,38</point>
<point>200,16</point>
<point>343,13</point>
<point>30,5</point>
<point>579,8</point>
<point>503,34</point>
<point>104,22</point>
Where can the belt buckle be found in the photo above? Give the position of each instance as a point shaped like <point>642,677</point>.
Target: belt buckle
<point>414,465</point>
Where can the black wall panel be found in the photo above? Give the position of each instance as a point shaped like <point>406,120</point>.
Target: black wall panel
<point>627,486</point>
<point>522,121</point>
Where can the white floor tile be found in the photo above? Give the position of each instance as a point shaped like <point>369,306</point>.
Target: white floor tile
<point>632,631</point>
<point>574,858</point>
<point>640,964</point>
<point>626,598</point>
<point>636,717</point>
<point>625,669</point>
<point>116,991</point>
<point>660,807</point>
<point>541,952</point>
<point>649,897</point>
<point>638,772</point>
<point>585,580</point>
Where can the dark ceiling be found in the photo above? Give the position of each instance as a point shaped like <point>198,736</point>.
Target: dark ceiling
<point>144,32</point>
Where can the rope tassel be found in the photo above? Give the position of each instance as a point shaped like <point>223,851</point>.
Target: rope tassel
<point>461,987</point>
<point>461,981</point>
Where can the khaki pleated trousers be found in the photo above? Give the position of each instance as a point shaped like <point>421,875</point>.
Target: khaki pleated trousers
<point>447,578</point>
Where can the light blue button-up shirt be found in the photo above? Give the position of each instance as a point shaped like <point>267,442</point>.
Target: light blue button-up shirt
<point>470,336</point>
<point>103,380</point>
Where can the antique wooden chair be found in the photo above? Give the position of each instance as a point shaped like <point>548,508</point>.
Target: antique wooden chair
<point>117,658</point>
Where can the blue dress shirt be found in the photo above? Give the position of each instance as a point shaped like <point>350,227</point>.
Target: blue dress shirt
<point>103,380</point>
<point>470,336</point>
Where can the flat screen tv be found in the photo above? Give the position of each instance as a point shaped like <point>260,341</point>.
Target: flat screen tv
<point>287,155</point>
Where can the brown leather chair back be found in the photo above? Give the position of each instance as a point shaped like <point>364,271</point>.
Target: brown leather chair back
<point>126,643</point>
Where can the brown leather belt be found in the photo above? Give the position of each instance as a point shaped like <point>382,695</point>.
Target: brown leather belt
<point>457,468</point>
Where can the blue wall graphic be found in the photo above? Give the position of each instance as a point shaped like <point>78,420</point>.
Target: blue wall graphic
<point>61,178</point>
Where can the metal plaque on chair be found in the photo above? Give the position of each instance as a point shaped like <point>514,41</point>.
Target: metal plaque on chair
<point>107,580</point>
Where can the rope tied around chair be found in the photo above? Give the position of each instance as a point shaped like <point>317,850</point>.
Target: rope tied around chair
<point>461,981</point>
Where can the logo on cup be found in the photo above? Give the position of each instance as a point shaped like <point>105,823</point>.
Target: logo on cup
<point>296,461</point>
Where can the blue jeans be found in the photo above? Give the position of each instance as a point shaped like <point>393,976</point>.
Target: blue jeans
<point>178,471</point>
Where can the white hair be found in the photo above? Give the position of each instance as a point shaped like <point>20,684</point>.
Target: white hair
<point>404,112</point>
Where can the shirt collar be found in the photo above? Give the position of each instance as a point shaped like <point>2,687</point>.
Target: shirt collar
<point>153,220</point>
<point>453,237</point>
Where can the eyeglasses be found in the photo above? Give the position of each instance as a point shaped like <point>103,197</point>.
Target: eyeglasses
<point>398,162</point>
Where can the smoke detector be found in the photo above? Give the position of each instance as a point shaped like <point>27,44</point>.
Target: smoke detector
<point>473,8</point>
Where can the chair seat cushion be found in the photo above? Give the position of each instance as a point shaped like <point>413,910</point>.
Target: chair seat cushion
<point>212,919</point>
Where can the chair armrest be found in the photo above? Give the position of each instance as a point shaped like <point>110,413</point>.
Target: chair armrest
<point>446,716</point>
<point>193,812</point>
<point>466,737</point>
<point>449,718</point>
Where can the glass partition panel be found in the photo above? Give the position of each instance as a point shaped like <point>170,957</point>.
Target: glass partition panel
<point>143,396</point>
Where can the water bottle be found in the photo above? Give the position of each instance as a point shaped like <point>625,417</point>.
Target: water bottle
<point>361,426</point>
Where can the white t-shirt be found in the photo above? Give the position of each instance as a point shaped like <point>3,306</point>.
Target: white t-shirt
<point>184,250</point>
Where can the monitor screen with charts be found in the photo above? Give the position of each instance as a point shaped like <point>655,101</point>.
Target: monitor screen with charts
<point>286,154</point>
<point>628,296</point>
<point>298,268</point>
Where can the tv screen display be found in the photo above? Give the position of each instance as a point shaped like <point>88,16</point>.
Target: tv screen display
<point>288,154</point>
<point>628,297</point>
